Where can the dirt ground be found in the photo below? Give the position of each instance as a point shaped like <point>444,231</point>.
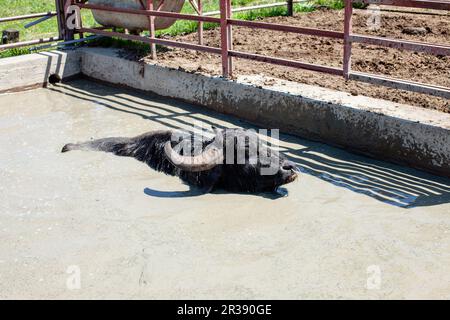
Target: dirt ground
<point>406,65</point>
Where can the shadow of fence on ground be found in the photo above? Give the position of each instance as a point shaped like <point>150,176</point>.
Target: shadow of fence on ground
<point>389,183</point>
<point>392,184</point>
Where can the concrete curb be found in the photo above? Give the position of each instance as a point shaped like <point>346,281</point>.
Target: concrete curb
<point>400,133</point>
<point>31,71</point>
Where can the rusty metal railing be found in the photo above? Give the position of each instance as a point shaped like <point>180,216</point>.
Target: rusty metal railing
<point>226,49</point>
<point>60,14</point>
<point>436,49</point>
<point>41,17</point>
<point>226,22</point>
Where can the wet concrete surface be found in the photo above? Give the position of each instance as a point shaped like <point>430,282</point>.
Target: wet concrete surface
<point>350,227</point>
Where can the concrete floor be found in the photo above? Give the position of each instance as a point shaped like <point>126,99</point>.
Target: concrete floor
<point>351,227</point>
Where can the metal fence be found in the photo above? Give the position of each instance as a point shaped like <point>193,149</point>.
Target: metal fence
<point>41,17</point>
<point>227,52</point>
<point>436,49</point>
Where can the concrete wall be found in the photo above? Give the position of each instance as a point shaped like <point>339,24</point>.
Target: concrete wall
<point>30,71</point>
<point>379,128</point>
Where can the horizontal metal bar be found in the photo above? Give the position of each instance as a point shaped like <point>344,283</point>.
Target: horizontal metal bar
<point>402,84</point>
<point>28,16</point>
<point>28,43</point>
<point>415,12</point>
<point>424,4</point>
<point>64,43</point>
<point>169,43</point>
<point>42,19</point>
<point>285,28</point>
<point>78,40</point>
<point>286,62</point>
<point>150,13</point>
<point>261,6</point>
<point>437,49</point>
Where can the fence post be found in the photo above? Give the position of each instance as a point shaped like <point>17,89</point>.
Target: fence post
<point>225,38</point>
<point>200,23</point>
<point>61,11</point>
<point>70,34</point>
<point>347,40</point>
<point>290,8</point>
<point>60,17</point>
<point>152,29</point>
<point>81,34</point>
<point>230,37</point>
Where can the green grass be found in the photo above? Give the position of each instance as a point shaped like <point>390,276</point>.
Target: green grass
<point>49,27</point>
<point>46,29</point>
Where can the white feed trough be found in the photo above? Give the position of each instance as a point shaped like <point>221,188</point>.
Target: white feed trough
<point>133,21</point>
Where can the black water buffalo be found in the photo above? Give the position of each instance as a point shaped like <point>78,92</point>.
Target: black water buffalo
<point>234,160</point>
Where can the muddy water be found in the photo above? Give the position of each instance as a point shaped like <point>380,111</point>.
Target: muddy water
<point>350,227</point>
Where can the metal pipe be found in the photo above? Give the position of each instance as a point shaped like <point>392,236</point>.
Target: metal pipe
<point>347,42</point>
<point>69,34</point>
<point>149,13</point>
<point>230,37</point>
<point>28,16</point>
<point>285,28</point>
<point>436,49</point>
<point>290,8</point>
<point>401,84</point>
<point>60,17</point>
<point>169,43</point>
<point>64,43</point>
<point>426,13</point>
<point>286,62</point>
<point>195,6</point>
<point>424,4</point>
<point>224,38</point>
<point>200,23</point>
<point>31,24</point>
<point>260,6</point>
<point>152,28</point>
<point>28,43</point>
